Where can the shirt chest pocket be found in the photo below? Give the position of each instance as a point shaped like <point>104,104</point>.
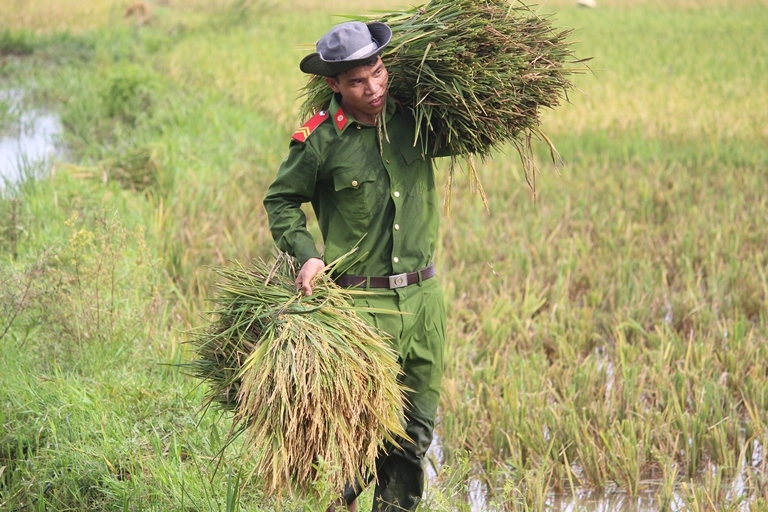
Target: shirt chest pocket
<point>355,192</point>
<point>411,153</point>
<point>419,179</point>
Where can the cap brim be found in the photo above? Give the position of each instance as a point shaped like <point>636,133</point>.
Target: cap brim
<point>314,64</point>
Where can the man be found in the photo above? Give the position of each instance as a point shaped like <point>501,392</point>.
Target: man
<point>373,189</point>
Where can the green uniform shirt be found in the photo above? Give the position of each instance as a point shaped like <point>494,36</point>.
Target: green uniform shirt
<point>366,191</point>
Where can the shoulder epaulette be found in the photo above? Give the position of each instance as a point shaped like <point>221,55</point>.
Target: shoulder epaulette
<point>303,133</point>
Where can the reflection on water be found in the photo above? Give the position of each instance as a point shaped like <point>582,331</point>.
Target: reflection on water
<point>28,142</point>
<point>607,502</point>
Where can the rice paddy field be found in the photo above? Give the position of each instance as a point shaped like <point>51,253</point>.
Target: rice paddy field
<point>607,331</point>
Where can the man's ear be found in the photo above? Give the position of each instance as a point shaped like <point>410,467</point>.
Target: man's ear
<point>332,83</point>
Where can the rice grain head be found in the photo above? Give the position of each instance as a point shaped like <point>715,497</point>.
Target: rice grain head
<point>313,387</point>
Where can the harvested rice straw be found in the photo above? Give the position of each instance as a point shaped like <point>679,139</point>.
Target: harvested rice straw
<point>312,386</point>
<point>476,74</point>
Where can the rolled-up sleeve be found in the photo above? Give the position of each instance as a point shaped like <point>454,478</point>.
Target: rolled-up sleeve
<point>293,186</point>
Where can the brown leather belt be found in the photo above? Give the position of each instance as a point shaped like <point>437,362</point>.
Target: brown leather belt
<point>391,282</point>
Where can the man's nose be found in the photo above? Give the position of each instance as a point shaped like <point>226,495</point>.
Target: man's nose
<point>371,87</point>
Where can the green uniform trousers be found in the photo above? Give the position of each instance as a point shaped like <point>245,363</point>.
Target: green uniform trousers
<point>418,332</point>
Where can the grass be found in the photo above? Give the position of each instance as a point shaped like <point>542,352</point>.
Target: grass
<point>606,339</point>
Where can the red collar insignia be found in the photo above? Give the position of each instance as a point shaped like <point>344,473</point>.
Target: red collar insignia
<point>340,118</point>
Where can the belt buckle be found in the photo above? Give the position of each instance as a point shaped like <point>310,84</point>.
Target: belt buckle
<point>398,281</point>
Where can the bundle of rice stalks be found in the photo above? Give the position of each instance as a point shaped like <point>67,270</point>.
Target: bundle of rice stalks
<point>310,384</point>
<point>476,73</point>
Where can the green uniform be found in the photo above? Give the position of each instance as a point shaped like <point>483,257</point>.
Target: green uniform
<point>372,188</point>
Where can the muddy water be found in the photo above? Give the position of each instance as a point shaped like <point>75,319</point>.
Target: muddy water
<point>28,143</point>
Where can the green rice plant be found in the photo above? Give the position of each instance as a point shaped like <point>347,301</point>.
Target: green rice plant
<point>665,480</point>
<point>476,74</point>
<point>588,453</point>
<point>626,447</point>
<point>313,387</point>
<point>712,492</point>
<point>17,42</point>
<point>531,491</point>
<point>129,93</point>
<point>448,488</point>
<point>10,228</point>
<point>136,170</point>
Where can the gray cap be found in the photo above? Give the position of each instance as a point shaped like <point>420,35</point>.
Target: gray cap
<point>345,47</point>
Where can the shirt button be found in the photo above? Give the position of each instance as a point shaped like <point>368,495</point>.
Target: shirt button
<point>354,183</point>
<point>397,227</point>
<point>397,194</point>
<point>358,126</point>
<point>387,160</point>
<point>395,259</point>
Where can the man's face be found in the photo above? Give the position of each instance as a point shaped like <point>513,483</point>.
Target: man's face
<point>363,90</point>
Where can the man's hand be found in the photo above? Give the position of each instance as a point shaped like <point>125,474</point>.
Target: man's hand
<point>308,271</point>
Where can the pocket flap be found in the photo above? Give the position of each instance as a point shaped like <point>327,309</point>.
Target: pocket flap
<point>351,178</point>
<point>411,153</point>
